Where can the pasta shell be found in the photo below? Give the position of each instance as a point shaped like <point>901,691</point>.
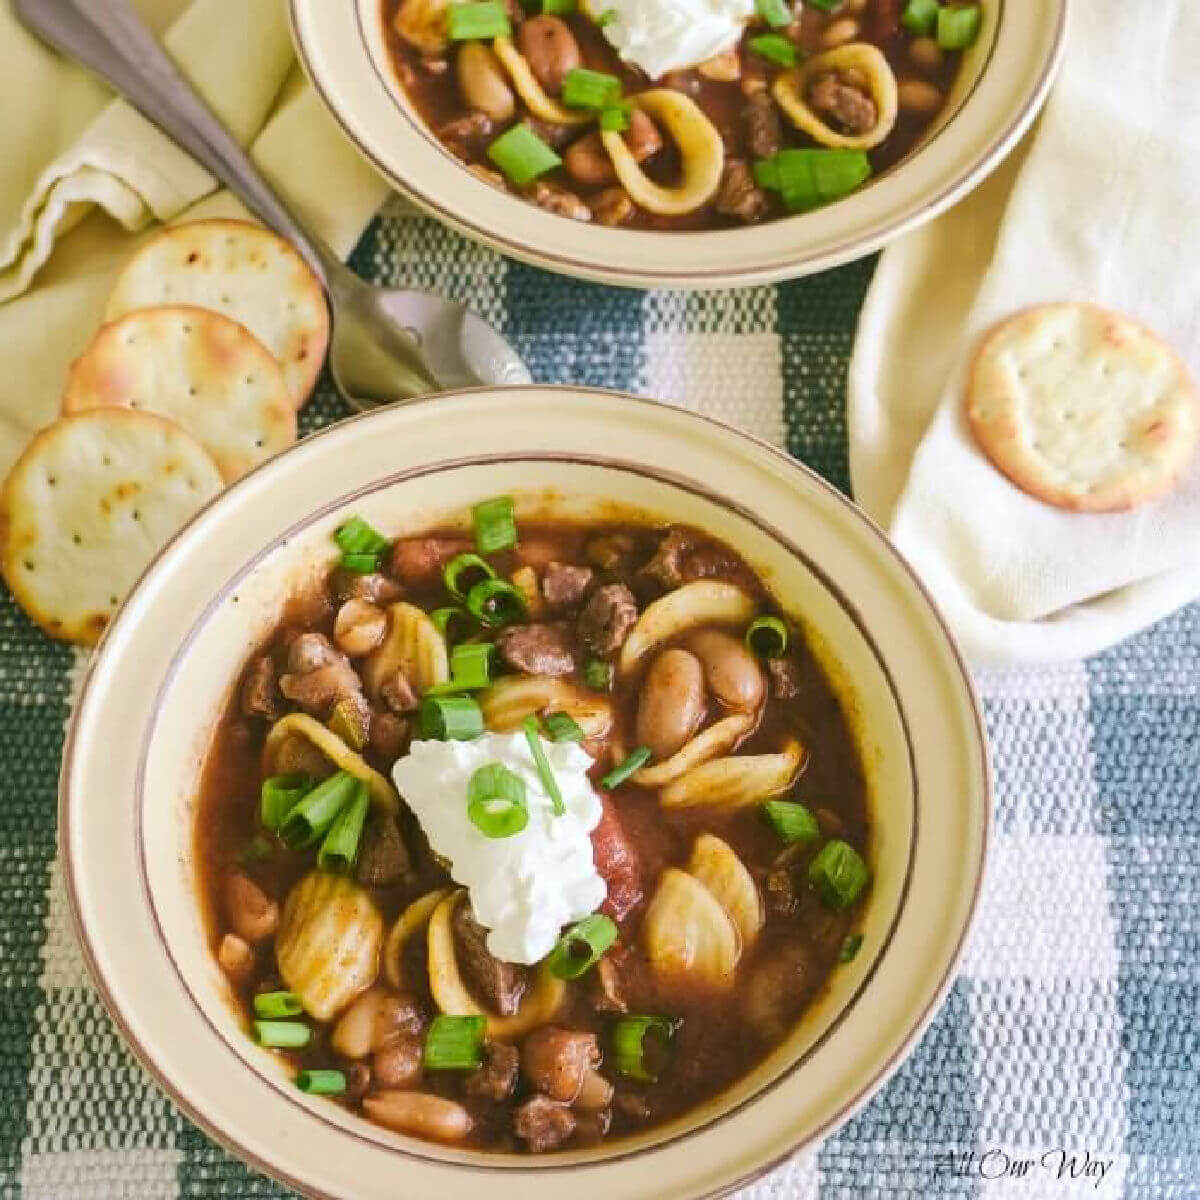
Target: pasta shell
<point>688,935</point>
<point>422,23</point>
<point>737,781</point>
<point>301,725</point>
<point>412,645</point>
<point>715,865</point>
<point>719,738</point>
<point>790,89</point>
<point>700,148</point>
<point>705,602</point>
<point>410,922</point>
<point>328,943</point>
<point>452,995</point>
<point>527,87</point>
<point>511,699</point>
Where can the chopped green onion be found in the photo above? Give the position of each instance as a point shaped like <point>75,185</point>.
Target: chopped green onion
<point>629,1044</point>
<point>321,1083</point>
<point>463,572</point>
<point>255,850</point>
<point>495,525</point>
<point>838,873</point>
<point>615,119</point>
<point>582,947</point>
<point>280,794</point>
<point>825,5</point>
<point>545,773</point>
<point>360,564</point>
<point>806,179</point>
<point>357,537</point>
<point>635,762</point>
<point>273,1005</point>
<point>793,822</point>
<point>920,16</point>
<point>850,947</point>
<point>607,17</point>
<point>496,602</point>
<point>455,1043</point>
<point>776,13</point>
<point>470,669</point>
<point>958,28</point>
<point>340,847</point>
<point>478,22</point>
<point>522,155</point>
<point>598,675</point>
<point>562,727</point>
<point>282,1035</point>
<point>449,718</point>
<point>558,8</point>
<point>452,622</point>
<point>767,637</point>
<point>350,722</point>
<point>496,801</point>
<point>594,90</point>
<point>312,817</point>
<point>774,46</point>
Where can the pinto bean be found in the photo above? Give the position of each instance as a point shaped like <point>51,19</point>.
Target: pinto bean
<point>252,913</point>
<point>419,1113</point>
<point>839,32</point>
<point>399,1064</point>
<point>359,628</point>
<point>595,1093</point>
<point>731,671</point>
<point>551,50</point>
<point>236,958</point>
<point>672,702</point>
<point>557,1061</point>
<point>587,161</point>
<point>926,53</point>
<point>355,1030</point>
<point>482,83</point>
<point>642,136</point>
<point>915,95</point>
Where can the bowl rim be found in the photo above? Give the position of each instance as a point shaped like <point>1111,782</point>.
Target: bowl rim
<point>636,258</point>
<point>979,756</point>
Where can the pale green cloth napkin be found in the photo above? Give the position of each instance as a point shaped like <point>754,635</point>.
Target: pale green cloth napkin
<point>82,175</point>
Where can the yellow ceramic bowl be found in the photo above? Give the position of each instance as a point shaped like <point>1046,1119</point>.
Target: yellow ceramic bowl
<point>1005,79</point>
<point>168,664</point>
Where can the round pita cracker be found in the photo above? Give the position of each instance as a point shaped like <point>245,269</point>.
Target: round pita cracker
<point>1083,408</point>
<point>243,272</point>
<point>88,505</point>
<point>198,369</point>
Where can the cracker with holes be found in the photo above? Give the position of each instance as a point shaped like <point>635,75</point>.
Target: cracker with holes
<point>242,272</point>
<point>88,505</point>
<point>1083,408</point>
<point>198,368</point>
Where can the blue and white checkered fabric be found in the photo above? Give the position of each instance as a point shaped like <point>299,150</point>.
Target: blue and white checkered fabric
<point>1071,1039</point>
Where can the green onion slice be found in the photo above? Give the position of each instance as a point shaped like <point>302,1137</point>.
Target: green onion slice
<point>496,801</point>
<point>562,728</point>
<point>850,947</point>
<point>477,22</point>
<point>958,28</point>
<point>495,525</point>
<point>825,5</point>
<point>321,1083</point>
<point>360,564</point>
<point>558,8</point>
<point>593,90</point>
<point>280,794</point>
<point>582,947</point>
<point>357,537</point>
<point>776,13</point>
<point>793,822</point>
<point>767,637</point>
<point>340,847</point>
<point>920,16</point>
<point>774,46</point>
<point>634,762</point>
<point>455,1043</point>
<point>838,873</point>
<point>496,602</point>
<point>449,718</point>
<point>616,119</point>
<point>470,669</point>
<point>453,623</point>
<point>607,17</point>
<point>522,155</point>
<point>806,179</point>
<point>463,572</point>
<point>309,821</point>
<point>545,773</point>
<point>629,1044</point>
<point>282,1035</point>
<point>271,1006</point>
<point>598,675</point>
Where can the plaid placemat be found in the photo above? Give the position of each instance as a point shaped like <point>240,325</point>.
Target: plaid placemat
<point>1066,1061</point>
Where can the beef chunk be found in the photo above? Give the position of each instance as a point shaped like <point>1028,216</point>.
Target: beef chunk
<point>785,678</point>
<point>666,567</point>
<point>782,897</point>
<point>710,562</point>
<point>606,621</point>
<point>259,698</point>
<point>418,562</point>
<point>467,136</point>
<point>382,856</point>
<point>375,588</point>
<point>605,982</point>
<point>564,585</point>
<point>498,985</point>
<point>389,735</point>
<point>612,206</point>
<point>739,196</point>
<point>497,1078</point>
<point>310,651</point>
<point>319,675</point>
<point>542,1124</point>
<point>559,201</point>
<point>538,649</point>
<point>763,129</point>
<point>398,694</point>
<point>633,1105</point>
<point>555,136</point>
<point>616,863</point>
<point>847,107</point>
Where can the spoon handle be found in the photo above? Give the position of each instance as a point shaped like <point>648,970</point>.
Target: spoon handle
<point>108,37</point>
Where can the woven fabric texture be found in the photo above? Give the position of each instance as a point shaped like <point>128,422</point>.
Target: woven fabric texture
<point>1070,1041</point>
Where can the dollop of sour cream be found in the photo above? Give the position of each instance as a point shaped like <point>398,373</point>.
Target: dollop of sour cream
<point>526,887</point>
<point>669,35</point>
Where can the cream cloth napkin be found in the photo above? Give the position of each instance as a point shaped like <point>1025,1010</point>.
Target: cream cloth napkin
<point>1100,205</point>
<point>81,175</point>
